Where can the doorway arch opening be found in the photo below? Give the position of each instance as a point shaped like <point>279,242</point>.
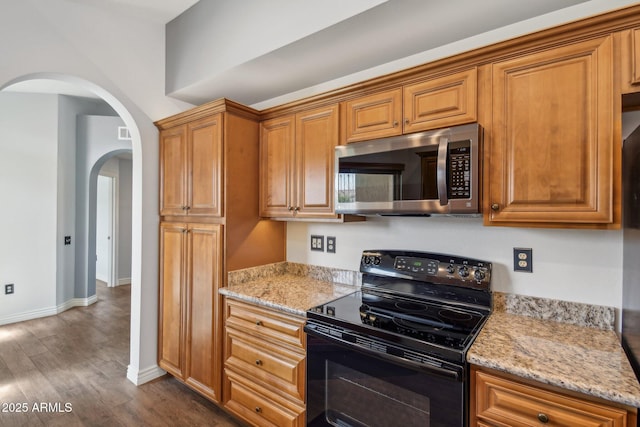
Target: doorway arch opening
<point>85,280</point>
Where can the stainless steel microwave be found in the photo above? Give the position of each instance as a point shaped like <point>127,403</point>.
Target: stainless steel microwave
<point>434,172</point>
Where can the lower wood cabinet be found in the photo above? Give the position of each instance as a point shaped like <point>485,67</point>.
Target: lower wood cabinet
<point>264,365</point>
<point>189,345</point>
<point>499,399</point>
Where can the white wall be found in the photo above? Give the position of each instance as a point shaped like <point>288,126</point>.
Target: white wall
<point>28,180</point>
<point>121,58</point>
<point>572,265</point>
<point>124,221</point>
<point>69,108</point>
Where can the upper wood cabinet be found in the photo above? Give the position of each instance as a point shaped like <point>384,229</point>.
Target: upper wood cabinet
<point>372,116</point>
<point>441,102</point>
<point>191,168</point>
<point>430,104</point>
<point>551,154</point>
<point>189,345</point>
<point>630,55</point>
<point>297,164</point>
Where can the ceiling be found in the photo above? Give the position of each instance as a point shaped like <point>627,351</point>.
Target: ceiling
<point>389,36</point>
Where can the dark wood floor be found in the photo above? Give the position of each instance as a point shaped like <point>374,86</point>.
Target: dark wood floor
<point>77,362</point>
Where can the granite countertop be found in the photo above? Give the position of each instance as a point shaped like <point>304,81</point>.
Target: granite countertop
<point>565,344</point>
<point>290,287</point>
<point>571,356</point>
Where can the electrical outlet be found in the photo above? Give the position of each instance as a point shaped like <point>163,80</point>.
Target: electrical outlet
<point>523,259</point>
<point>8,289</point>
<point>331,244</point>
<point>67,240</point>
<point>317,243</point>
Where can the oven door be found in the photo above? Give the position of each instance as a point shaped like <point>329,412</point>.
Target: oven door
<point>349,385</point>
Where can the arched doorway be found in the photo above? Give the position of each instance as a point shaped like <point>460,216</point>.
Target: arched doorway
<point>84,273</point>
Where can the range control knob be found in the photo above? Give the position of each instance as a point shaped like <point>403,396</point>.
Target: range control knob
<point>479,274</point>
<point>463,271</point>
<point>376,260</point>
<point>451,269</point>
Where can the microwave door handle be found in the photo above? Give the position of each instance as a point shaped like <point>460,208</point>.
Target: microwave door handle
<point>441,174</point>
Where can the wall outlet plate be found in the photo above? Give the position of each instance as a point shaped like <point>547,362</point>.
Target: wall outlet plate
<point>331,244</point>
<point>8,289</point>
<point>523,259</point>
<point>317,243</point>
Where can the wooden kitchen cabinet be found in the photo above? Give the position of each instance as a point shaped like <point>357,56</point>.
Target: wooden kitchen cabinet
<point>552,153</point>
<point>378,115</point>
<point>191,159</point>
<point>500,400</point>
<point>264,368</point>
<point>210,155</point>
<point>433,103</point>
<point>630,60</point>
<point>297,164</point>
<point>190,275</point>
<point>441,102</point>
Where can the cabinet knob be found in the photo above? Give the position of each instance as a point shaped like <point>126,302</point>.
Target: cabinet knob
<point>184,208</point>
<point>395,123</point>
<point>290,208</point>
<point>406,121</point>
<point>495,207</point>
<point>543,418</point>
<point>296,209</point>
<point>259,322</point>
<point>259,362</point>
<point>258,409</point>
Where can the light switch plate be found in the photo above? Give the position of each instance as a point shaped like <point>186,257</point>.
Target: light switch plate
<point>317,243</point>
<point>523,259</point>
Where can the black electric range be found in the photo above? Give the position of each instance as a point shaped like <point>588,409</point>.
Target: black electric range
<point>394,352</point>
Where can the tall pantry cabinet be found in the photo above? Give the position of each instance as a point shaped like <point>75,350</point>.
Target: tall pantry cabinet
<point>209,225</point>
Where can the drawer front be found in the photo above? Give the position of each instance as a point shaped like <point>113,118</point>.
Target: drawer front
<point>250,402</point>
<point>266,323</point>
<point>270,364</point>
<point>502,402</point>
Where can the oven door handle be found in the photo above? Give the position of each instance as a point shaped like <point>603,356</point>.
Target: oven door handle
<point>440,371</point>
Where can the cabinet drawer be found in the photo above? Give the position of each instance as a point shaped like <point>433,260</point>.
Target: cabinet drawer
<point>250,402</point>
<point>265,323</point>
<point>270,364</point>
<point>502,402</point>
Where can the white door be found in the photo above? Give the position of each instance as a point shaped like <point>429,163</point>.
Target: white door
<point>104,230</point>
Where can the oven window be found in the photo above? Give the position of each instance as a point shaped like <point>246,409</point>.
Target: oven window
<point>355,399</point>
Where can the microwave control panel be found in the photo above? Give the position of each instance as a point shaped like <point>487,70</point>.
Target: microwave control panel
<point>460,170</point>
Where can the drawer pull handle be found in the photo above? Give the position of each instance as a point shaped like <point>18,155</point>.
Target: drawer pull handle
<point>259,322</point>
<point>259,362</point>
<point>258,409</point>
<point>543,418</point>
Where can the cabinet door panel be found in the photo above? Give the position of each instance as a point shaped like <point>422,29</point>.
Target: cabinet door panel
<point>172,294</point>
<point>316,138</point>
<point>173,167</point>
<point>205,158</point>
<point>276,163</point>
<point>203,341</point>
<point>551,156</point>
<point>373,116</point>
<point>441,102</point>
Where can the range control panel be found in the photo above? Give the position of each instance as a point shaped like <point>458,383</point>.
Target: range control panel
<point>429,267</point>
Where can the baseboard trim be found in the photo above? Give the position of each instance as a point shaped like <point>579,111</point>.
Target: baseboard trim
<point>49,311</point>
<point>124,281</point>
<point>139,377</point>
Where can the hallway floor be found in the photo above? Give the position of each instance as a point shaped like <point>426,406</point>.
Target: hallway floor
<point>70,370</point>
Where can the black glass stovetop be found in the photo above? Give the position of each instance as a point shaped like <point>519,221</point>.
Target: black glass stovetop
<point>428,326</point>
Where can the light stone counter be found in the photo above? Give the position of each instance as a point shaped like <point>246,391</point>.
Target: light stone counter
<point>290,287</point>
<point>584,359</point>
